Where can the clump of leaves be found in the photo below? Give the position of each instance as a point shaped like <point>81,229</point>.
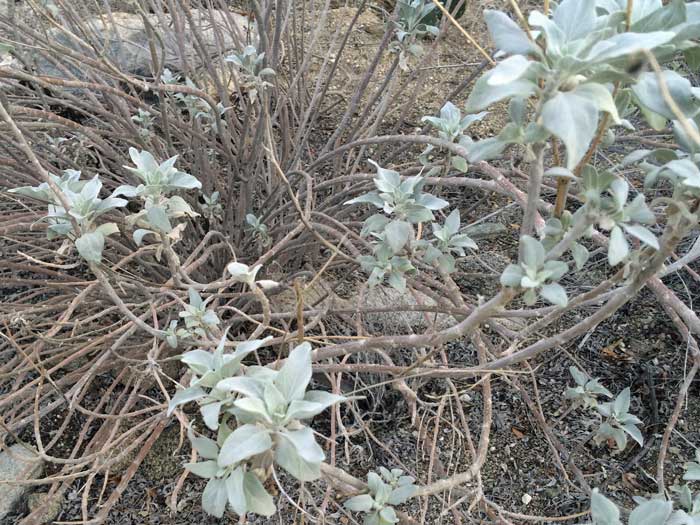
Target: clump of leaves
<point>84,207</point>
<point>268,407</point>
<point>451,127</point>
<point>251,65</point>
<point>654,511</point>
<point>259,229</point>
<point>212,208</point>
<point>158,182</point>
<point>145,120</point>
<point>411,27</point>
<point>537,275</point>
<point>447,243</point>
<point>585,393</point>
<point>198,319</point>
<point>618,423</point>
<point>386,491</point>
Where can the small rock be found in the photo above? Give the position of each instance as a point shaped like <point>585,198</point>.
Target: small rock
<point>526,499</point>
<point>16,463</point>
<point>50,510</point>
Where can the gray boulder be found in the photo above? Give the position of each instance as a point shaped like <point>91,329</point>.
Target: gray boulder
<point>17,464</point>
<point>123,40</point>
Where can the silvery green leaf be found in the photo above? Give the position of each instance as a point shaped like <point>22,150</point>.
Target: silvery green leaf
<point>533,252</point>
<point>530,297</point>
<point>143,161</point>
<point>556,269</point>
<point>634,433</point>
<point>605,409</point>
<point>554,293</point>
<point>397,234</point>
<point>275,402</point>
<point>450,113</point>
<point>369,198</point>
<point>560,171</point>
<point>401,494</point>
<point>641,8</point>
<point>214,497</point>
<point>110,203</point>
<point>183,180</point>
<point>295,374</point>
<point>397,281</point>
<point>210,414</point>
<point>107,229</point>
<point>374,482</point>
<point>205,447</point>
<point>453,222</point>
<point>374,223</point>
<point>245,347</point>
<point>178,207</point>
<point>459,163</point>
<point>601,97</point>
<point>388,515</point>
<point>578,375</point>
<point>574,119</point>
<point>595,387</point>
<point>235,491</point>
<point>512,275</point>
<point>387,180</point>
<point>643,234</point>
<point>314,403</point>
<point>468,120</point>
<point>485,149</point>
<point>242,385</point>
<point>625,44</point>
<point>682,138</point>
<point>203,469</point>
<point>90,246</point>
<point>361,503</point>
<point>651,512</point>
<point>261,373</point>
<point>648,92</point>
<point>256,497</point>
<point>575,18</point>
<point>200,361</point>
<point>509,70</point>
<point>618,249</point>
<point>242,272</point>
<point>185,396</point>
<point>446,263</point>
<point>621,405</point>
<point>298,453</point>
<point>38,193</point>
<point>91,189</point>
<point>553,34</point>
<point>244,442</point>
<point>506,33</point>
<point>140,234</point>
<point>528,282</point>
<point>484,94</point>
<point>692,472</point>
<point>252,409</point>
<point>687,170</point>
<point>159,219</point>
<point>431,202</point>
<point>580,255</point>
<point>604,511</point>
<point>607,432</point>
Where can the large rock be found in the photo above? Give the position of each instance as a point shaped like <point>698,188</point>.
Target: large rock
<point>123,40</point>
<point>16,464</point>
